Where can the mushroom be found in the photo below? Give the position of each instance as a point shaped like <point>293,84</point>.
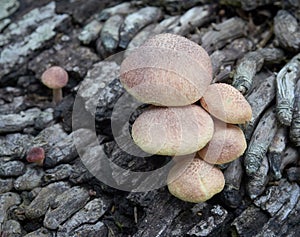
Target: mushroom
<point>36,155</point>
<point>170,70</point>
<point>198,182</point>
<point>167,70</point>
<point>173,130</point>
<point>55,78</point>
<point>227,144</point>
<point>226,103</point>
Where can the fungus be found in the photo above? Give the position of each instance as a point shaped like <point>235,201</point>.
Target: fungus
<point>167,70</point>
<point>55,78</point>
<point>36,155</point>
<point>197,183</point>
<point>170,70</point>
<point>173,130</point>
<point>227,144</point>
<point>226,103</point>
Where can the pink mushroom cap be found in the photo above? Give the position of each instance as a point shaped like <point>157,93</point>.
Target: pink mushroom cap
<point>36,155</point>
<point>55,77</point>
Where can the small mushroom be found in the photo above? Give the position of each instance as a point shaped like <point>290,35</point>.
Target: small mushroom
<point>197,183</point>
<point>226,103</point>
<point>167,70</point>
<point>55,78</point>
<point>36,155</point>
<point>227,144</point>
<point>173,130</point>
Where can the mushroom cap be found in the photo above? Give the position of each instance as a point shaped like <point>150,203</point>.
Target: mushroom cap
<point>226,103</point>
<point>55,77</point>
<point>197,183</point>
<point>167,70</point>
<point>227,144</point>
<point>36,155</point>
<point>173,130</point>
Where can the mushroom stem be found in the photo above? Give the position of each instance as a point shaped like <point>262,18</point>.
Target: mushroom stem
<point>40,162</point>
<point>57,96</point>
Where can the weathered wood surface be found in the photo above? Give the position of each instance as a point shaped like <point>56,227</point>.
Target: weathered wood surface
<point>276,149</point>
<point>295,126</point>
<point>260,141</point>
<point>286,29</point>
<point>251,63</point>
<point>285,88</point>
<point>259,98</point>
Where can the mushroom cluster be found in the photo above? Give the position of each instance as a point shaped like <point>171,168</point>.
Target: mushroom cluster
<point>189,115</point>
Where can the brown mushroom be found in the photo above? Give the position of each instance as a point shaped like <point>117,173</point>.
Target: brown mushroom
<point>226,103</point>
<point>55,78</point>
<point>227,144</point>
<point>198,182</point>
<point>173,130</point>
<point>167,70</point>
<point>36,155</point>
